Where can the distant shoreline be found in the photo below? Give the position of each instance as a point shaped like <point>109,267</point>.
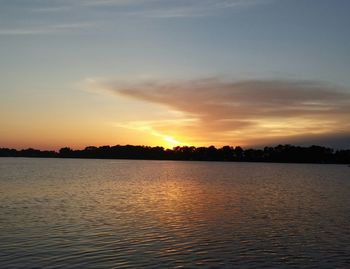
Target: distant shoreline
<point>163,160</point>
<point>278,154</point>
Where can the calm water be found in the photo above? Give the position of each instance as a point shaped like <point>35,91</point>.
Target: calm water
<point>130,214</point>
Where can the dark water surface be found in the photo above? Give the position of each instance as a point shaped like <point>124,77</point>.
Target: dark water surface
<point>57,213</point>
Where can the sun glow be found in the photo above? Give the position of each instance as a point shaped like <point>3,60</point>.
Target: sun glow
<point>171,142</point>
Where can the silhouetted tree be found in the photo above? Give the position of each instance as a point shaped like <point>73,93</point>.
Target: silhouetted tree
<point>280,153</point>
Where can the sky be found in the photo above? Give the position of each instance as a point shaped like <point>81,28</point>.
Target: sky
<point>174,72</point>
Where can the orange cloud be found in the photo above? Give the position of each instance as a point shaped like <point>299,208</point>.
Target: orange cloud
<point>244,112</point>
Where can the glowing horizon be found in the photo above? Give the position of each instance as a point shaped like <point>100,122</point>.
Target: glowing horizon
<point>172,73</point>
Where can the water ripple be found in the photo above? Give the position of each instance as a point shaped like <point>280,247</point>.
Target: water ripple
<point>149,214</point>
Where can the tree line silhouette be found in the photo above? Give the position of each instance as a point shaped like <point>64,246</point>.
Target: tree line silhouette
<point>280,153</point>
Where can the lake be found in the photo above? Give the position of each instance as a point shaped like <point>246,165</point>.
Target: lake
<point>70,213</point>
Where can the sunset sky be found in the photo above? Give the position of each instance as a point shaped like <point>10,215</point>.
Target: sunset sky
<point>174,72</point>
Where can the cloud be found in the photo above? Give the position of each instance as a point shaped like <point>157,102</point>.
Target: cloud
<point>45,29</point>
<point>113,2</point>
<point>192,8</point>
<point>245,112</point>
<point>45,15</point>
<point>152,8</point>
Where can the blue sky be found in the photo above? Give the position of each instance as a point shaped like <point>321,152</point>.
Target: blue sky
<point>50,52</point>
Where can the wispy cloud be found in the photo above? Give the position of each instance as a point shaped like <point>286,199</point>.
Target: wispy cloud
<point>48,9</point>
<point>243,112</point>
<point>214,3</point>
<point>114,2</point>
<point>65,4</point>
<point>45,29</point>
<point>154,8</point>
<point>191,8</point>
